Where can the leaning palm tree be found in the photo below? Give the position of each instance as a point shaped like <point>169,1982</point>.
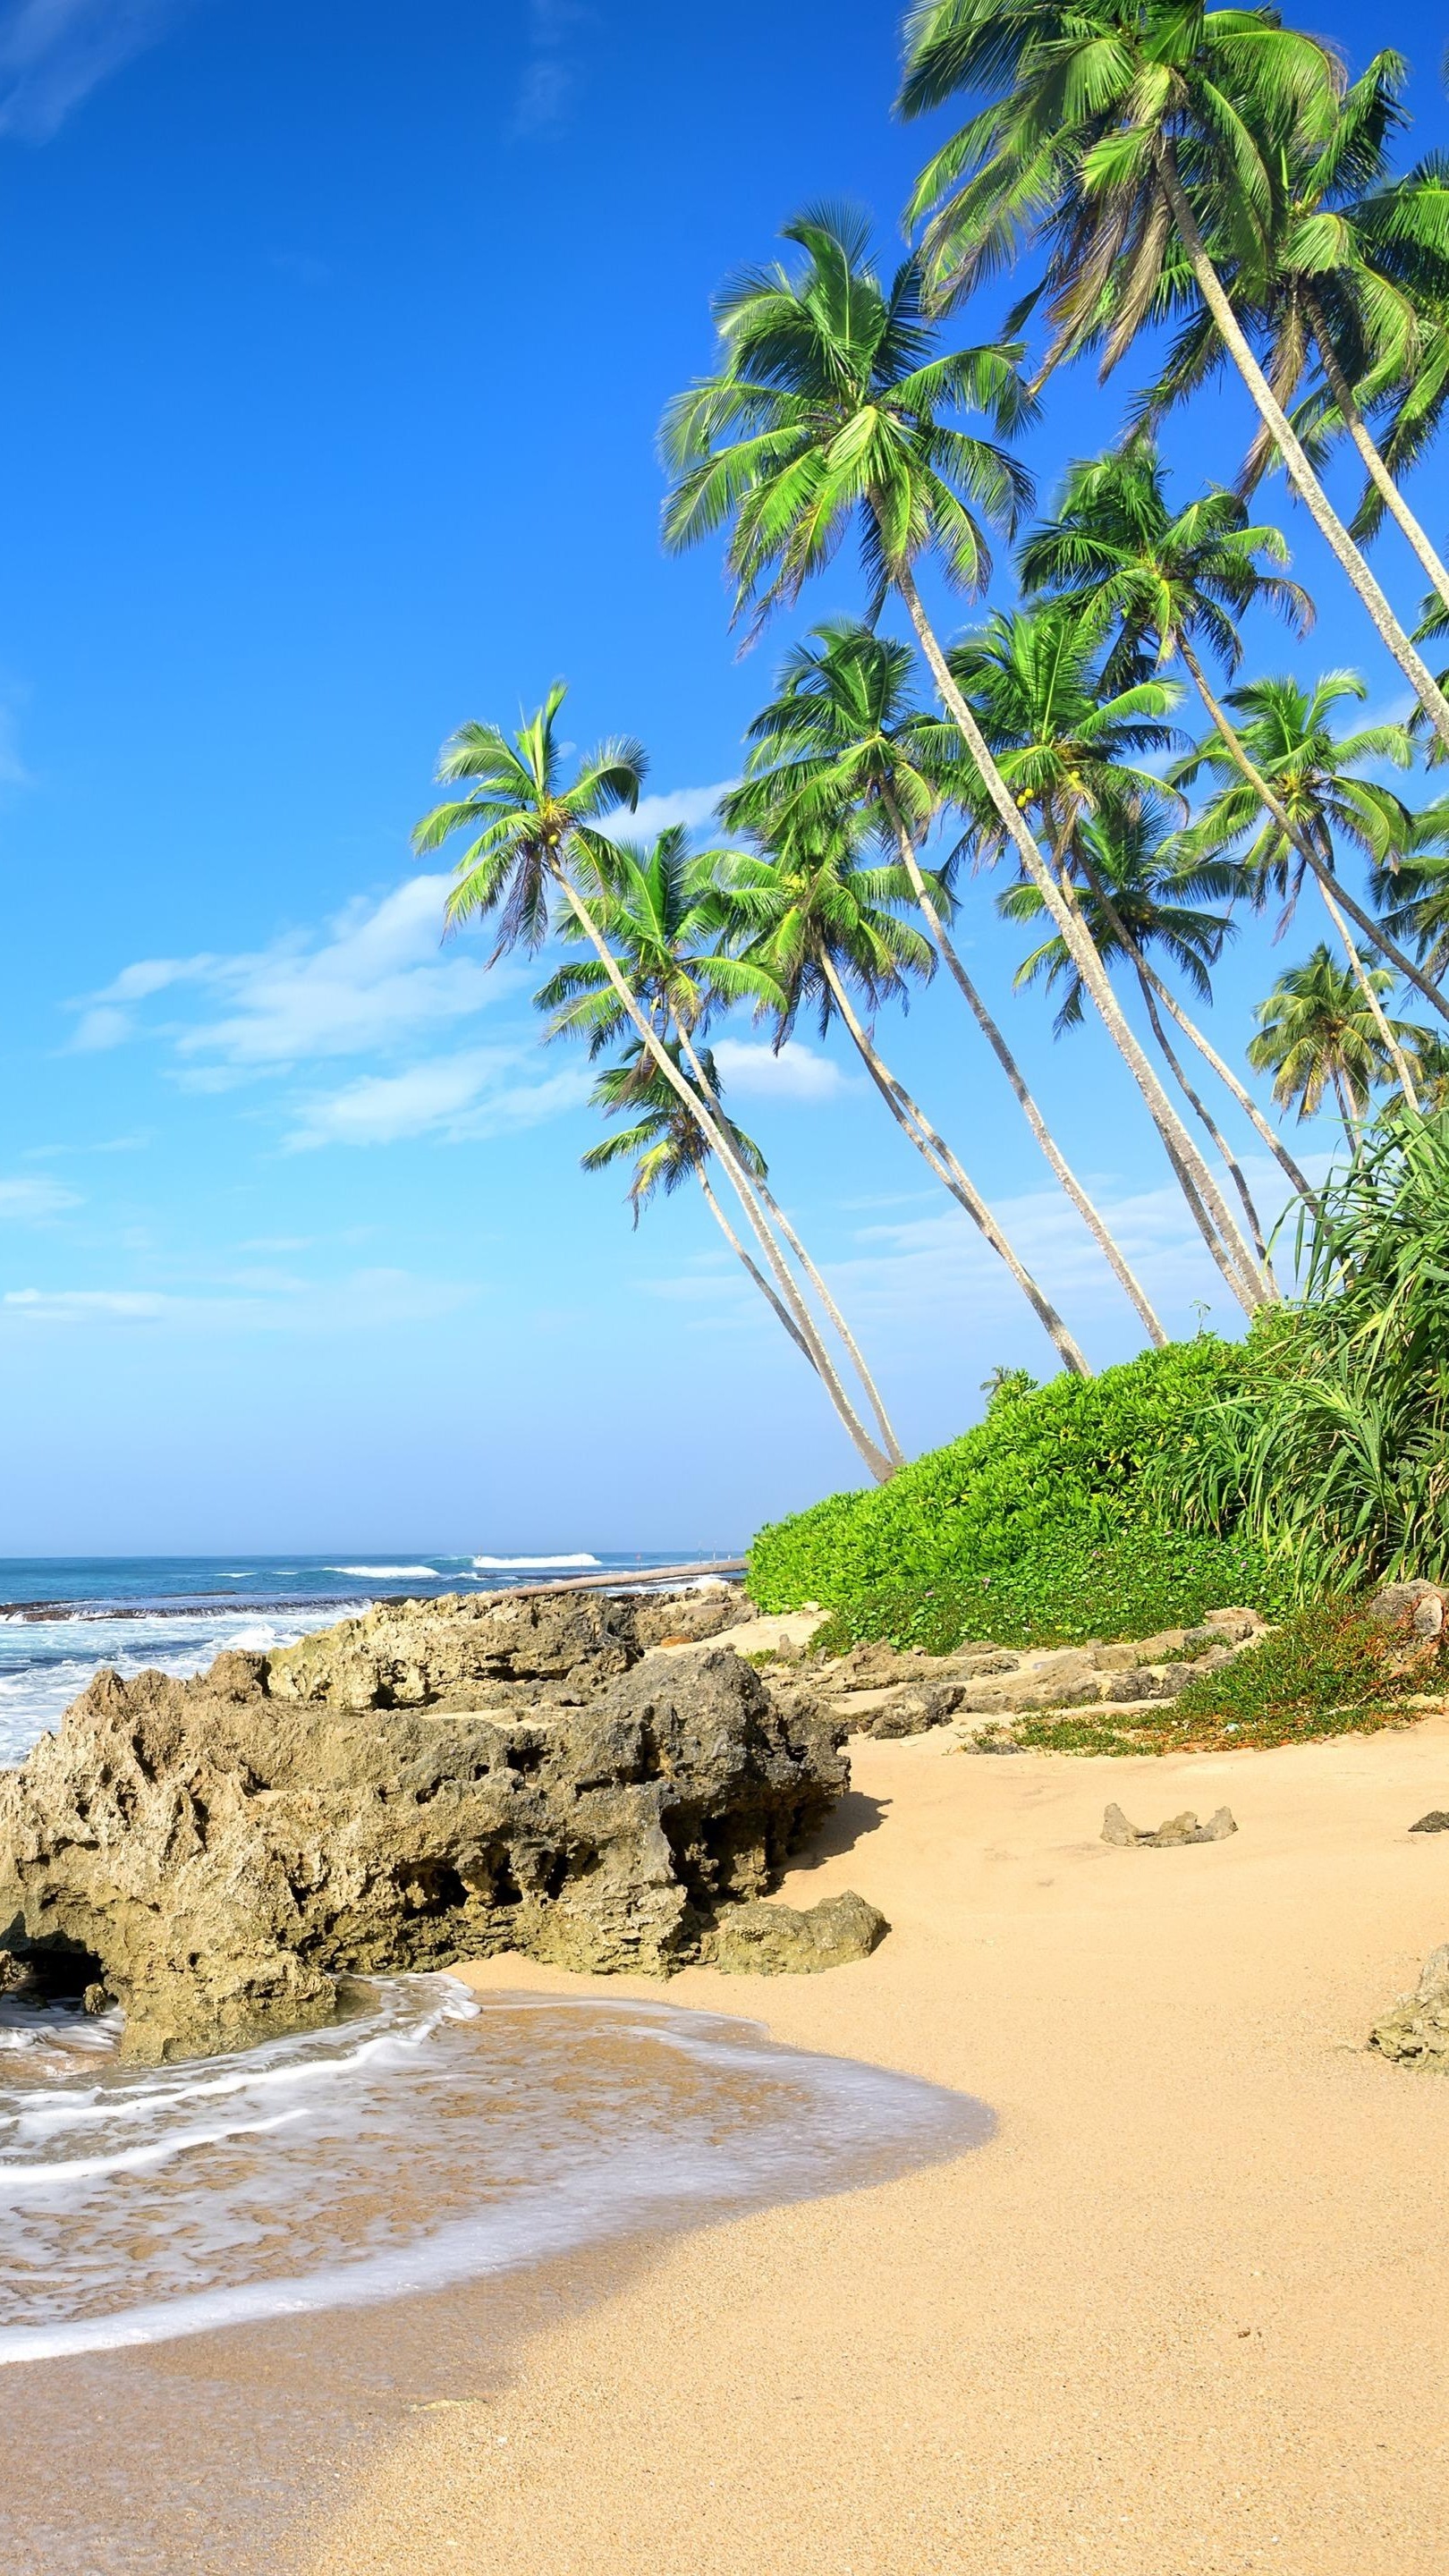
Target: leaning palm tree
<point>534,840</point>
<point>654,907</point>
<point>1167,585</point>
<point>1134,902</point>
<point>1118,135</point>
<point>1414,889</point>
<point>1315,1034</point>
<point>1069,751</point>
<point>667,1146</point>
<point>844,730</point>
<point>826,929</point>
<point>1290,737</point>
<point>832,409</point>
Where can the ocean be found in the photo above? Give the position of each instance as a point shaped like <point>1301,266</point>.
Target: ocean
<point>62,1618</point>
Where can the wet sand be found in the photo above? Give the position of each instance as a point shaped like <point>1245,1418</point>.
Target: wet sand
<point>1188,2312</point>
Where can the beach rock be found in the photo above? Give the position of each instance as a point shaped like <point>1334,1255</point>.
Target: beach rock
<point>686,1618</point>
<point>1416,2031</point>
<point>775,1940</point>
<point>426,1784</point>
<point>1436,1822</point>
<point>1416,1607</point>
<point>1170,1836</point>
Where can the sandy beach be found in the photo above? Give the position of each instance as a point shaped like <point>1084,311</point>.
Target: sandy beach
<point>1189,2310</point>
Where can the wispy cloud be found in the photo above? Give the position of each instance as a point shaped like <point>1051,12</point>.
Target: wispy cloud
<point>53,53</point>
<point>483,1091</point>
<point>551,70</point>
<point>31,1200</point>
<point>375,975</point>
<point>754,1071</point>
<point>260,1301</point>
<point>691,806</point>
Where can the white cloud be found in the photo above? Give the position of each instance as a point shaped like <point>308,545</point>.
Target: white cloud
<point>752,1069</point>
<point>53,53</point>
<point>365,1300</point>
<point>550,75</point>
<point>691,806</point>
<point>377,974</point>
<point>31,1201</point>
<point>455,1098</point>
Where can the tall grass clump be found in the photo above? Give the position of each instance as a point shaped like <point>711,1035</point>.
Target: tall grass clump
<point>1330,1449</point>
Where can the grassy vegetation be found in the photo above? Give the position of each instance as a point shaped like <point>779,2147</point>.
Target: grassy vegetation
<point>1328,1670</point>
<point>1128,1586</point>
<point>1052,1521</point>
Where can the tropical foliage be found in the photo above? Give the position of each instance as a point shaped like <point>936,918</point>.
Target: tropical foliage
<point>1101,760</point>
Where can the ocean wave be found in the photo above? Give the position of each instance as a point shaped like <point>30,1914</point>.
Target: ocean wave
<point>385,1573</point>
<point>500,1563</point>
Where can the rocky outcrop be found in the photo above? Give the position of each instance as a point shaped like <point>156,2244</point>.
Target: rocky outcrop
<point>878,1690</point>
<point>762,1940</point>
<point>1416,2031</point>
<point>1170,1836</point>
<point>431,1782</point>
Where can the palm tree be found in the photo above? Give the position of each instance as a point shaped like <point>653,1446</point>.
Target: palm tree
<point>1314,1032</point>
<point>1065,751</point>
<point>819,922</point>
<point>1171,585</point>
<point>830,411</point>
<point>1317,291</point>
<point>667,1146</point>
<point>532,834</point>
<point>1414,888</point>
<point>654,908</point>
<point>843,731</point>
<point>1120,132</point>
<point>1132,902</point>
<point>1405,228</point>
<point>1289,737</point>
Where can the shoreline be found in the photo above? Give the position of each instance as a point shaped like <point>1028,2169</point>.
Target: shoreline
<point>1186,2314</point>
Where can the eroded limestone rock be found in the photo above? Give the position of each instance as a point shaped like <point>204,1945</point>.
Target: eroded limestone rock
<point>762,1940</point>
<point>1416,2031</point>
<point>428,1783</point>
<point>1170,1836</point>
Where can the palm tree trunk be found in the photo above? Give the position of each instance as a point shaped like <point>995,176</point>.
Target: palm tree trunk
<point>943,1163</point>
<point>1235,1170</point>
<point>1350,1127</point>
<point>1226,1075</point>
<point>1300,473</point>
<point>1272,803</point>
<point>1373,463</point>
<point>758,1276</point>
<point>1227,1244</point>
<point>1007,1061</point>
<point>776,1212</point>
<point>1180,1147</point>
<point>875,1458</point>
<point>1375,1007</point>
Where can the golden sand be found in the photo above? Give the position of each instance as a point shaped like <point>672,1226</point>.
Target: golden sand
<point>1188,2312</point>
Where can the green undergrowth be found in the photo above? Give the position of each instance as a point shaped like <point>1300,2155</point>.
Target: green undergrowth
<point>1126,1586</point>
<point>1060,1488</point>
<point>1327,1670</point>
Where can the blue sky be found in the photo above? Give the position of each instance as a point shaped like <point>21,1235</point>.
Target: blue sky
<point>336,340</point>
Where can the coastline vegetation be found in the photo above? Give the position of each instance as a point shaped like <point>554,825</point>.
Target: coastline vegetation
<point>1188,193</point>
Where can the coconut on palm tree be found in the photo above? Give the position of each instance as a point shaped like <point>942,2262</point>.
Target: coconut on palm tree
<point>825,925</point>
<point>654,907</point>
<point>1291,739</point>
<point>1126,139</point>
<point>844,730</point>
<point>533,841</point>
<point>834,409</point>
<point>1167,584</point>
<point>1315,1034</point>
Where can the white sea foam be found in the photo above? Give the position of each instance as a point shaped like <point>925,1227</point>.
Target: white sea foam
<point>502,1562</point>
<point>45,1664</point>
<point>427,2141</point>
<point>385,1573</point>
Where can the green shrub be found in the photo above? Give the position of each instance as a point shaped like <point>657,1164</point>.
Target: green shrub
<point>1327,1660</point>
<point>1052,1473</point>
<point>1127,1586</point>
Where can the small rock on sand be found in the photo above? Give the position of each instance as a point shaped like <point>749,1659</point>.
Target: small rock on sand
<point>1436,1822</point>
<point>1169,1836</point>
